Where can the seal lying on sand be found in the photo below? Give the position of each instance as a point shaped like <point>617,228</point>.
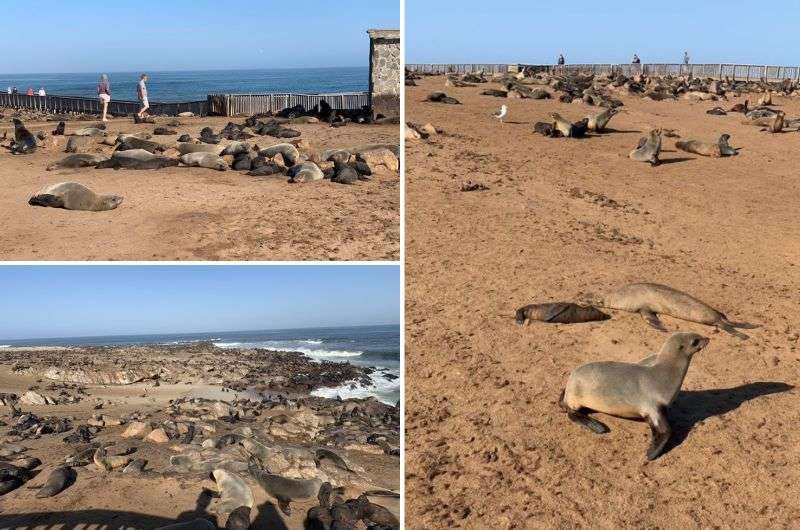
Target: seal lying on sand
<point>132,142</point>
<point>283,489</point>
<point>24,141</point>
<point>76,161</point>
<point>207,160</point>
<point>89,131</point>
<point>648,152</point>
<point>137,159</point>
<point>233,491</point>
<point>74,196</point>
<point>305,172</point>
<point>441,97</point>
<point>632,390</point>
<point>560,313</point>
<point>740,107</point>
<point>699,148</point>
<point>186,148</point>
<point>289,153</point>
<point>60,479</point>
<point>651,299</point>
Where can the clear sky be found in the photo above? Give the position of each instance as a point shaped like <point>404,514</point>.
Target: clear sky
<point>611,31</point>
<point>75,301</point>
<point>77,36</point>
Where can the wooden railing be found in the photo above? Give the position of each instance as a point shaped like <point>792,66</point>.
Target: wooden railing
<point>234,104</point>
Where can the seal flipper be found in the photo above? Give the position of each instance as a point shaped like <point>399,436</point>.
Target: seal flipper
<point>283,504</point>
<point>652,319</point>
<point>597,427</point>
<point>660,431</point>
<point>554,311</point>
<point>47,199</point>
<point>728,327</point>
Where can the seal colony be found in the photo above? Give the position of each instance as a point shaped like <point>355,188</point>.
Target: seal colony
<point>258,438</point>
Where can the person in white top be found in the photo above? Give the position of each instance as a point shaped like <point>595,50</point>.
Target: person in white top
<point>42,93</point>
<point>142,90</point>
<point>9,90</point>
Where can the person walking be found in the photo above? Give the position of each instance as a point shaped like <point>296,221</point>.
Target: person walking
<point>142,90</point>
<point>42,93</point>
<point>29,92</point>
<point>104,93</point>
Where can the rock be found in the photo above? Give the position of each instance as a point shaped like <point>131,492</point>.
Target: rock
<point>137,429</point>
<point>33,398</point>
<point>158,436</point>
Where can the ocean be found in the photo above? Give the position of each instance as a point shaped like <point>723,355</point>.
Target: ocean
<point>171,87</point>
<point>376,346</point>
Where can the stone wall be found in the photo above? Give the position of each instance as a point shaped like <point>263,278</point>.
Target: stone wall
<point>384,72</point>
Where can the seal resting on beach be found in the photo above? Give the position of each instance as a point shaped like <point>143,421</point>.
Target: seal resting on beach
<point>289,153</point>
<point>441,97</point>
<point>59,130</point>
<point>89,131</point>
<point>632,390</point>
<point>137,159</point>
<point>649,150</point>
<point>186,148</point>
<point>78,160</point>
<point>130,142</point>
<point>652,299</point>
<point>206,160</point>
<point>60,479</point>
<point>74,196</point>
<point>233,491</point>
<point>560,313</point>
<point>305,172</point>
<point>699,148</point>
<point>24,141</point>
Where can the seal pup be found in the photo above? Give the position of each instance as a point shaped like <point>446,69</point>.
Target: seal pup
<point>648,152</point>
<point>78,160</point>
<point>500,114</point>
<point>59,130</point>
<point>598,122</point>
<point>724,148</point>
<point>24,141</point>
<point>766,99</point>
<point>233,491</point>
<point>239,519</point>
<point>441,97</point>
<point>652,299</point>
<point>740,107</point>
<point>777,123</point>
<point>289,153</point>
<point>560,313</point>
<point>283,489</point>
<point>633,390</point>
<point>74,196</point>
<point>545,129</point>
<point>206,160</point>
<point>717,111</point>
<point>305,172</point>
<point>129,142</point>
<point>89,131</point>
<point>699,148</point>
<point>60,479</point>
<point>562,125</point>
<point>186,148</point>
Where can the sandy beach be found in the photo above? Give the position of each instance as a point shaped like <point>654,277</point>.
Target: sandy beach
<point>181,213</point>
<point>486,444</point>
<point>210,403</point>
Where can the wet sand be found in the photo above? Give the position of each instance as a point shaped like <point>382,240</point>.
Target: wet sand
<point>184,213</point>
<point>486,443</point>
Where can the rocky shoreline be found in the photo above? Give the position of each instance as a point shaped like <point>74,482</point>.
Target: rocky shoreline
<point>182,414</point>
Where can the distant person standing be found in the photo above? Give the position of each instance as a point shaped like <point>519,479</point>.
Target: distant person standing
<point>636,59</point>
<point>29,92</point>
<point>104,93</point>
<point>14,90</point>
<point>142,90</point>
<point>686,58</point>
<point>42,93</point>
<point>561,59</point>
<point>9,91</point>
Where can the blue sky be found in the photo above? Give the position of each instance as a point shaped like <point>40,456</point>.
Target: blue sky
<point>536,31</point>
<point>78,36</point>
<point>70,301</point>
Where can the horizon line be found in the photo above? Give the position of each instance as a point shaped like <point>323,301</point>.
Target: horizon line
<point>192,70</point>
<point>199,332</point>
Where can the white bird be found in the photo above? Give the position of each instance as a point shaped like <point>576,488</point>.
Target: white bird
<point>501,113</point>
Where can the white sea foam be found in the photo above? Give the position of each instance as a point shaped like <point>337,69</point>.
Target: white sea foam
<point>291,346</point>
<point>383,388</point>
<point>5,345</point>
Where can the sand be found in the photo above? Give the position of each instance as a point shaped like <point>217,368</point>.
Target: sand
<point>162,496</point>
<point>486,443</point>
<point>201,214</point>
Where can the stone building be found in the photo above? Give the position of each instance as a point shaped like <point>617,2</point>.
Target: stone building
<point>384,72</point>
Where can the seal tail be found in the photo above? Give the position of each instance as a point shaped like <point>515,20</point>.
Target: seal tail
<point>520,316</point>
<point>46,199</point>
<point>730,327</point>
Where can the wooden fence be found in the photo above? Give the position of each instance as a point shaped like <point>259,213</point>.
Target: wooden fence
<point>740,72</point>
<point>234,104</point>
<point>217,104</point>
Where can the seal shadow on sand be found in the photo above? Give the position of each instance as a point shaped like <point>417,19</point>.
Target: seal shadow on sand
<point>693,406</point>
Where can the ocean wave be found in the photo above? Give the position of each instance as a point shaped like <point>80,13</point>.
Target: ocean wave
<point>385,387</point>
<point>5,345</point>
<point>289,346</point>
<point>193,341</point>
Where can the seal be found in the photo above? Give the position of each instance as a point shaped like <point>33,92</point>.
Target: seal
<point>60,479</point>
<point>194,524</point>
<point>239,519</point>
<point>562,125</point>
<point>24,141</point>
<point>207,160</point>
<point>107,462</point>
<point>186,148</point>
<point>233,491</point>
<point>283,489</point>
<point>543,128</point>
<point>375,515</point>
<point>132,142</point>
<point>652,299</point>
<point>164,131</point>
<point>76,144</point>
<point>137,159</point>
<point>632,390</point>
<point>289,153</point>
<point>740,107</point>
<point>648,152</point>
<point>559,313</point>
<point>724,148</point>
<point>76,161</point>
<point>236,148</point>
<point>599,121</point>
<point>305,172</point>
<point>74,196</point>
<point>699,148</point>
<point>59,130</point>
<point>89,131</point>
